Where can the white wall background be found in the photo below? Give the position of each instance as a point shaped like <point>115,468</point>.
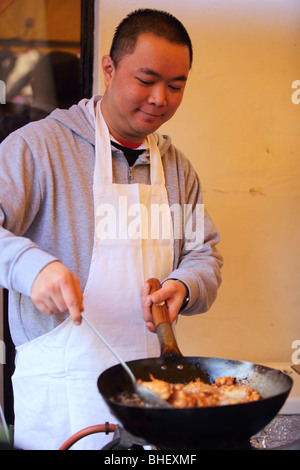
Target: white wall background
<point>239,127</point>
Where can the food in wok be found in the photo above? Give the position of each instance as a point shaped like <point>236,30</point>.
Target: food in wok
<point>224,391</point>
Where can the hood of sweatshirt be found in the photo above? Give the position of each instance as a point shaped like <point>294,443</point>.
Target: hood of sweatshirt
<point>79,119</point>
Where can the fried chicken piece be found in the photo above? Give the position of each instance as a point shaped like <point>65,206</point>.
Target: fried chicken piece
<point>181,399</point>
<point>224,381</point>
<point>233,394</point>
<point>159,387</point>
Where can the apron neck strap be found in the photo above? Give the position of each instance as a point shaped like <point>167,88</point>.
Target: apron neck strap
<point>156,167</point>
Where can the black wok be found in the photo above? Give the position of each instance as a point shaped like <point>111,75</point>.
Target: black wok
<point>194,428</point>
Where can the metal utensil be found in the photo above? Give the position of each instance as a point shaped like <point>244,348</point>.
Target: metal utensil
<point>148,397</point>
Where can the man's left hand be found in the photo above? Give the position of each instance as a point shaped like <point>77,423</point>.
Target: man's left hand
<point>172,292</point>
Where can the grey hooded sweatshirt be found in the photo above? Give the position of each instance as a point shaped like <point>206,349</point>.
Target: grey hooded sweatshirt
<point>47,214</point>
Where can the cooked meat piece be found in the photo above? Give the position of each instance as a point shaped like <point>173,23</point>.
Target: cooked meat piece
<point>159,387</point>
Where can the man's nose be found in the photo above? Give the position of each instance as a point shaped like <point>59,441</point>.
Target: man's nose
<point>158,95</point>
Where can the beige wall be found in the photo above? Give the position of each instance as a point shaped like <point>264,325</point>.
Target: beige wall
<point>239,127</point>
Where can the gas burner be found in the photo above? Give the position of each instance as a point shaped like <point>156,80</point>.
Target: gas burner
<point>123,440</point>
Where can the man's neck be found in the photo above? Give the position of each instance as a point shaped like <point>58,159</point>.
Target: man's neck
<point>130,145</point>
<point>131,154</point>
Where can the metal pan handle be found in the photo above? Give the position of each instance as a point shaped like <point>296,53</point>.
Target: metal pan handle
<point>166,338</point>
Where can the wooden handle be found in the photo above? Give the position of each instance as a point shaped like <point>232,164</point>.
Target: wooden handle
<point>159,311</point>
<point>167,341</point>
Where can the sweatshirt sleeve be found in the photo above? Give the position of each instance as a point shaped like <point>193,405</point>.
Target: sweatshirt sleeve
<point>21,260</point>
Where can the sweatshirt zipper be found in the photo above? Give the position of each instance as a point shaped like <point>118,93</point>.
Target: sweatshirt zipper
<point>130,174</point>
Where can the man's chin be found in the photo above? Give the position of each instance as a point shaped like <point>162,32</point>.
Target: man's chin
<point>148,120</point>
<point>147,128</point>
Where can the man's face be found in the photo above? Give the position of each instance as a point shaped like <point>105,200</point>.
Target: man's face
<point>146,87</point>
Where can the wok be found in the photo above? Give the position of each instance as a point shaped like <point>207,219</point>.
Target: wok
<point>193,428</point>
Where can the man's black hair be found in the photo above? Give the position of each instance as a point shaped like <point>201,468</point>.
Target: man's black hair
<point>157,22</point>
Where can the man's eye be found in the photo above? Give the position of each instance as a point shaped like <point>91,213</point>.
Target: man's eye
<point>144,82</point>
<point>175,88</point>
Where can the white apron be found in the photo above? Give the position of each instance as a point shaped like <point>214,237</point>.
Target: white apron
<point>55,381</point>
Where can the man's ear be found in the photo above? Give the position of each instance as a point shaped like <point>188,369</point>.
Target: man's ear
<point>108,69</point>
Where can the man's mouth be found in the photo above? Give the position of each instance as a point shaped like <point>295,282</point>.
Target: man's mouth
<point>151,114</point>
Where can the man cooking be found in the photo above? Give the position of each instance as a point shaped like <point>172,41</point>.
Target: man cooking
<point>65,183</point>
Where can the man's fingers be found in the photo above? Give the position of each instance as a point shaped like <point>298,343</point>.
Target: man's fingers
<point>159,296</point>
<point>72,296</point>
<point>56,290</point>
<point>172,292</point>
<point>151,327</point>
<point>45,308</point>
<point>146,304</point>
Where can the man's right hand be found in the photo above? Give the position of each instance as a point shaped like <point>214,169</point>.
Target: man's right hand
<point>57,290</point>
